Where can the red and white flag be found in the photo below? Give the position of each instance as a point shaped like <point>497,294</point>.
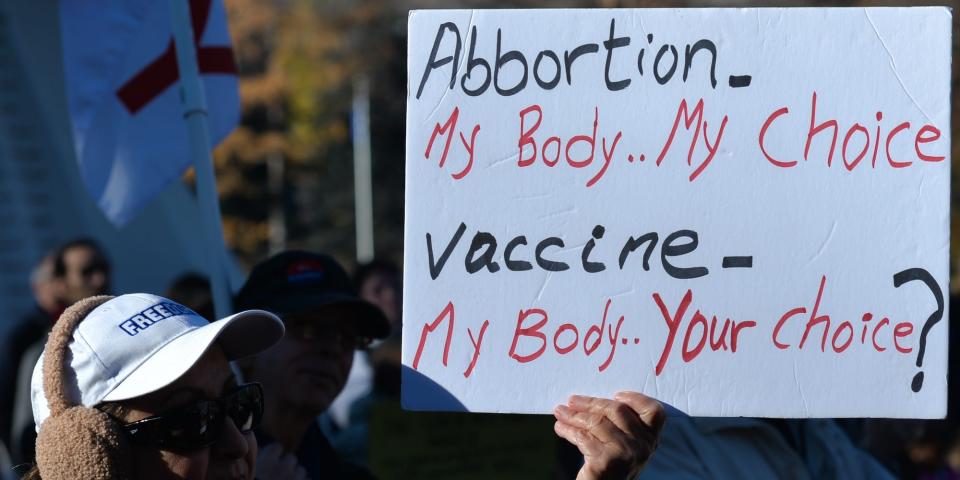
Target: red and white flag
<point>123,94</point>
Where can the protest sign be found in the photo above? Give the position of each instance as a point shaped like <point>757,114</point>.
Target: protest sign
<point>740,212</point>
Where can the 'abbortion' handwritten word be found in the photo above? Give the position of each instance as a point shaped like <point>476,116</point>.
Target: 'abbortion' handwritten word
<point>548,70</point>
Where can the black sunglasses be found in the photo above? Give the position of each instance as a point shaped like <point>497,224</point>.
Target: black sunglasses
<point>200,424</point>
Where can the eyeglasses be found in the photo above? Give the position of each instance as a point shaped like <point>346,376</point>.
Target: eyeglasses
<point>311,329</point>
<point>200,424</point>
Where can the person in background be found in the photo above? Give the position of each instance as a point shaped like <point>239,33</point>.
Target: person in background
<point>78,269</point>
<point>192,290</point>
<point>325,322</point>
<point>82,270</point>
<point>46,291</point>
<point>379,282</point>
<point>29,330</point>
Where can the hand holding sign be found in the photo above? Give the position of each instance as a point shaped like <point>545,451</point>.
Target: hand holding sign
<point>616,437</point>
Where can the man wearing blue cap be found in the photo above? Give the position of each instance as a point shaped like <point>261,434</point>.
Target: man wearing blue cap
<point>302,375</point>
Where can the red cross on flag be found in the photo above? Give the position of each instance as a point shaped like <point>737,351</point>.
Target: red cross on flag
<point>122,85</point>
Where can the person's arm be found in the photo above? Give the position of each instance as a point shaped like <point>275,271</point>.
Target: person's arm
<point>616,436</point>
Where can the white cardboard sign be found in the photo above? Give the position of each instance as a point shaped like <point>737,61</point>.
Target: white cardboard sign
<point>740,212</point>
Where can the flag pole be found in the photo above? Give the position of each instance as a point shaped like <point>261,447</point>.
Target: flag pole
<point>362,184</point>
<point>195,114</point>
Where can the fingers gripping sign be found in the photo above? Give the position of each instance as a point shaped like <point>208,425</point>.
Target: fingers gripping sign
<point>616,437</point>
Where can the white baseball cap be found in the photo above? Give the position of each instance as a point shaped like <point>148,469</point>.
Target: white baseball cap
<point>137,344</point>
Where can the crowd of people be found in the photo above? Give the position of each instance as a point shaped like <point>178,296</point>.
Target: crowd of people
<point>142,386</point>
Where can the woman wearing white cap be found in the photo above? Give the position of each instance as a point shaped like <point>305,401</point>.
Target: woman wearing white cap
<point>138,386</point>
